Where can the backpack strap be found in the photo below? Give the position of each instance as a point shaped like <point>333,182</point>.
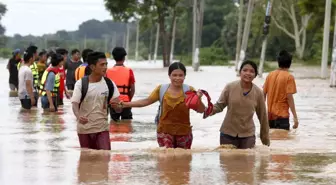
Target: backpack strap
<point>185,88</point>
<point>85,87</point>
<point>110,86</point>
<point>163,90</point>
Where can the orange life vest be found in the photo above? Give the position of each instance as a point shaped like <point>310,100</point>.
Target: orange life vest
<point>120,75</point>
<point>80,72</point>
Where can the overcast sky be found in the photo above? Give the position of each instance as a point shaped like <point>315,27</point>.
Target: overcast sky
<point>38,17</point>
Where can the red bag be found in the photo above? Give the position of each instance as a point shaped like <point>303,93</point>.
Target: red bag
<point>192,101</point>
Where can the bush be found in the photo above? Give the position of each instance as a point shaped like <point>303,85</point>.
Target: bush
<point>207,56</point>
<point>5,53</point>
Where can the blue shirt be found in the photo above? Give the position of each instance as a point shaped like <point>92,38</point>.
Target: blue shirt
<point>50,82</point>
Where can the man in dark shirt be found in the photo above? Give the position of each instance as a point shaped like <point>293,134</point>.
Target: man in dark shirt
<point>70,67</point>
<point>13,70</point>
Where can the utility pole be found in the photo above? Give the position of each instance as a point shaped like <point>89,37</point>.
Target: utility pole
<point>333,62</point>
<point>194,62</point>
<point>173,41</point>
<point>324,63</point>
<point>246,32</point>
<point>137,41</point>
<point>239,32</point>
<point>265,32</point>
<point>127,38</point>
<point>150,45</point>
<point>156,41</point>
<point>114,39</point>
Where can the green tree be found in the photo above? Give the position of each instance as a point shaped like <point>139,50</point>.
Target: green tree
<point>3,11</point>
<point>157,10</point>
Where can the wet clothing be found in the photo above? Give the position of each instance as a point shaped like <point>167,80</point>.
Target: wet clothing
<point>174,127</point>
<point>123,77</point>
<point>97,141</point>
<point>26,103</point>
<point>70,67</point>
<point>238,142</point>
<point>62,85</point>
<point>171,141</point>
<point>50,81</point>
<point>94,106</point>
<point>280,123</point>
<point>238,121</point>
<point>277,86</point>
<point>45,102</point>
<point>125,114</point>
<point>25,74</point>
<point>13,72</point>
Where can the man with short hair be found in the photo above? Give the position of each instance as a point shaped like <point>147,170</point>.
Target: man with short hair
<point>83,70</point>
<point>123,77</point>
<point>70,66</point>
<point>90,100</point>
<point>279,88</point>
<point>26,86</point>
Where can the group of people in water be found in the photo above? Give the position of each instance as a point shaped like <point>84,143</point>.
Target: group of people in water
<point>99,90</point>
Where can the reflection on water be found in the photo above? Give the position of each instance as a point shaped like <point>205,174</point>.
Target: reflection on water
<point>174,170</point>
<point>43,148</point>
<point>93,166</point>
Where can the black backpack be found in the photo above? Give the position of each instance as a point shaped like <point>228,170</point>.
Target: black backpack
<point>85,87</point>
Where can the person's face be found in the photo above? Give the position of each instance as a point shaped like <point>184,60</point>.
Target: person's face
<point>177,77</point>
<point>100,67</point>
<point>43,58</point>
<point>65,57</point>
<point>247,74</point>
<point>35,56</point>
<point>17,56</point>
<point>60,64</point>
<point>76,56</point>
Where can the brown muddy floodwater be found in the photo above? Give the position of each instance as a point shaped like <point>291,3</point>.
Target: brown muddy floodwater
<point>44,149</point>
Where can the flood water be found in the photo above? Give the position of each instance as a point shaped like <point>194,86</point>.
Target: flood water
<point>36,148</point>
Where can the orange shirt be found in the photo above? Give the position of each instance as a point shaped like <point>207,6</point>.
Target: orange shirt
<point>278,85</point>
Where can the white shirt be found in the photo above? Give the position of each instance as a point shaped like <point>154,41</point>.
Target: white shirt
<point>94,106</point>
<point>25,74</point>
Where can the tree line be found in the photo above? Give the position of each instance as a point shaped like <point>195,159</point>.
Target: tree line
<point>297,25</point>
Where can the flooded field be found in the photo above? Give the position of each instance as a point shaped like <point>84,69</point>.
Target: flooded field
<point>37,148</point>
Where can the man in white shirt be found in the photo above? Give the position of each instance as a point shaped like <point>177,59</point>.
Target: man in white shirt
<point>90,100</point>
<point>26,86</point>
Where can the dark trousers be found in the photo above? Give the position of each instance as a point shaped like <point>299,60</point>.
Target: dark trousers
<point>26,103</point>
<point>238,142</point>
<point>281,123</point>
<point>125,114</point>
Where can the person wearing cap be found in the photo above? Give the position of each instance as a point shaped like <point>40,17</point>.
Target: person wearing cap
<point>13,71</point>
<point>123,77</point>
